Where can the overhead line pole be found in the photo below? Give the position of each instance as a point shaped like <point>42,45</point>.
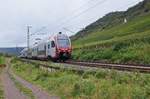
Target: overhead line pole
<point>28,37</point>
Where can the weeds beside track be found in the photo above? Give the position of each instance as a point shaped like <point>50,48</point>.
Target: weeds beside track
<point>133,68</point>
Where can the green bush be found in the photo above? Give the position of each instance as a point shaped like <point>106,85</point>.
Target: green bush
<point>119,46</point>
<point>103,84</point>
<point>41,76</point>
<point>122,43</point>
<point>84,87</point>
<point>132,53</point>
<point>101,74</point>
<point>138,93</point>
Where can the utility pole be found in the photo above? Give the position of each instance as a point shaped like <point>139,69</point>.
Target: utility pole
<point>17,51</point>
<point>28,38</point>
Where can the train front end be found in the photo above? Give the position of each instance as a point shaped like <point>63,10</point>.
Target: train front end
<point>64,48</point>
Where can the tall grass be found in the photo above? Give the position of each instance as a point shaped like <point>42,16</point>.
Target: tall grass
<point>1,92</point>
<point>137,27</point>
<point>103,84</point>
<point>118,53</point>
<point>2,60</point>
<point>123,43</point>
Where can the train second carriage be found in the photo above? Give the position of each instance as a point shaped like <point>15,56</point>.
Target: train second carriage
<point>57,47</point>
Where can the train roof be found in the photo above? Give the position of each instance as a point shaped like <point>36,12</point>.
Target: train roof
<point>47,39</point>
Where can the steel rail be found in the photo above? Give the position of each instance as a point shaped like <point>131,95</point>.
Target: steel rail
<point>138,68</point>
<point>132,68</point>
<point>52,67</point>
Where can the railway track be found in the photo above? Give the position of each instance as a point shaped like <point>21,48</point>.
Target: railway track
<point>132,68</point>
<point>144,69</point>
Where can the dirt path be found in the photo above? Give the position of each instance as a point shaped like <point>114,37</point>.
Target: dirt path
<point>10,90</point>
<point>38,93</point>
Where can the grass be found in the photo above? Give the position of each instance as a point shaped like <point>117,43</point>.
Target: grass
<point>123,43</point>
<point>135,54</point>
<point>1,92</point>
<point>133,27</point>
<point>103,84</point>
<point>22,88</point>
<point>2,60</point>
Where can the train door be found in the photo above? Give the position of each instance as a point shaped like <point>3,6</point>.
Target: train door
<point>48,49</point>
<point>45,50</point>
<point>53,49</point>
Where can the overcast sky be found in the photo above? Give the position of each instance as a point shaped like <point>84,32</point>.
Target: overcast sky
<point>16,15</point>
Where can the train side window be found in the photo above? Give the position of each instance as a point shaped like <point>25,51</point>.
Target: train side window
<point>44,47</point>
<point>48,46</point>
<point>52,44</point>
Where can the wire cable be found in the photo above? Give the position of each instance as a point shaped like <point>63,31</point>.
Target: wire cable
<point>74,12</point>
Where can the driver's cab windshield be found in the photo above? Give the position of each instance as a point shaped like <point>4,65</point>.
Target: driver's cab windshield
<point>65,43</point>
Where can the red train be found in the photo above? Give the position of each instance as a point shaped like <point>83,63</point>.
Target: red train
<point>57,47</point>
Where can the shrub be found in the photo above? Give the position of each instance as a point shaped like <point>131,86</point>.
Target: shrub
<point>105,89</point>
<point>41,76</point>
<point>14,60</point>
<point>101,74</point>
<point>129,56</point>
<point>88,74</point>
<point>138,93</point>
<point>84,87</point>
<point>103,84</point>
<point>119,46</point>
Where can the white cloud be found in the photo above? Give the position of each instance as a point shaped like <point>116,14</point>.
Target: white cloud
<point>15,15</point>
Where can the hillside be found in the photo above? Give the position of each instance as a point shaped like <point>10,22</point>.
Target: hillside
<point>110,39</point>
<point>114,18</point>
<point>11,51</point>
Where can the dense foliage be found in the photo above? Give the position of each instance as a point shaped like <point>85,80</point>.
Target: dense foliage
<point>122,43</point>
<point>103,84</point>
<point>114,19</point>
<point>135,54</point>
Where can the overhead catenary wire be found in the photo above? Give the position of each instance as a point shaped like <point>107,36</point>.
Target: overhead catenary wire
<point>44,27</point>
<point>75,16</point>
<point>74,12</point>
<point>122,7</point>
<point>79,14</point>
